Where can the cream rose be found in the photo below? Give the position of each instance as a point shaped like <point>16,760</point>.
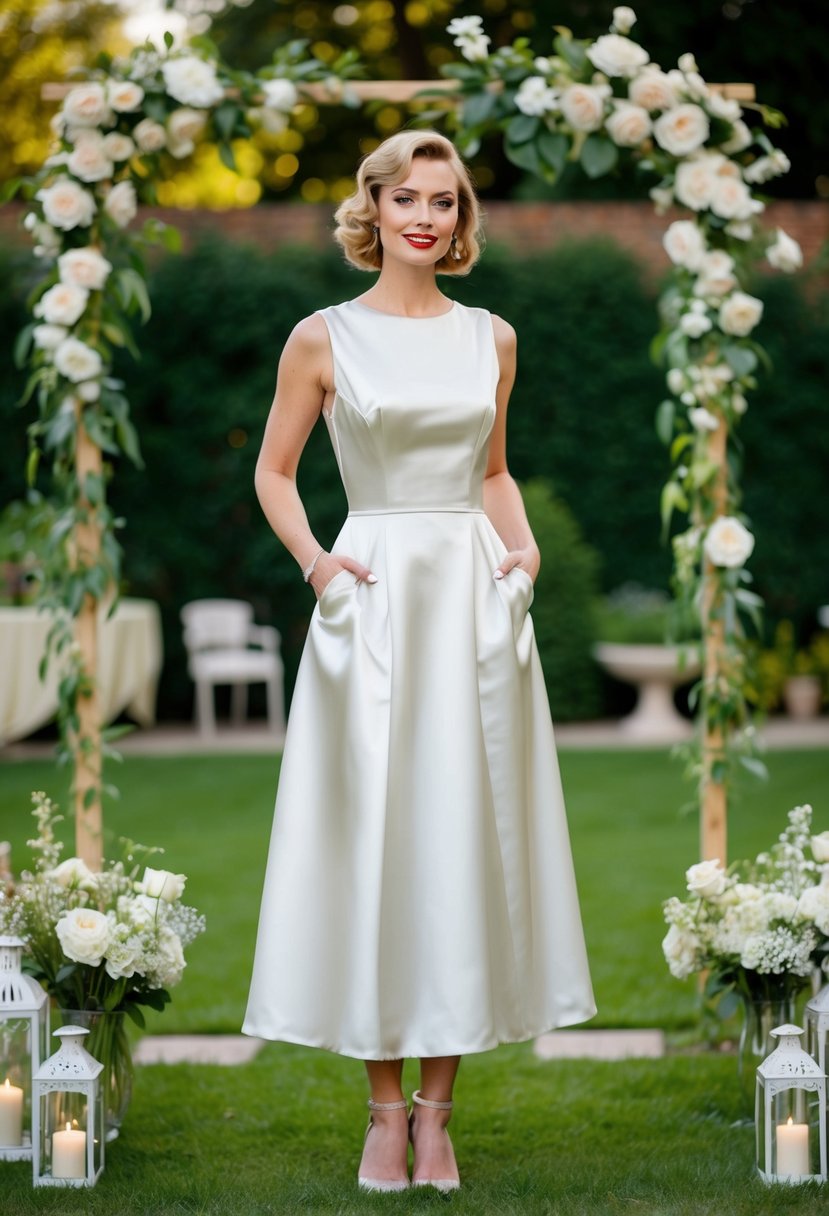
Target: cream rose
<point>706,879</point>
<point>118,146</point>
<point>90,390</point>
<point>121,204</point>
<point>186,123</point>
<point>125,96</point>
<point>739,314</point>
<point>162,884</point>
<point>583,106</point>
<point>88,159</point>
<point>279,94</point>
<point>48,337</point>
<point>739,139</point>
<point>74,872</point>
<point>684,244</point>
<point>624,19</point>
<point>84,268</point>
<point>628,125</point>
<point>730,199</point>
<point>682,129</point>
<point>728,543</point>
<point>149,136</point>
<point>616,55</point>
<point>661,197</point>
<point>694,183</point>
<point>77,361</point>
<point>694,324</point>
<point>192,81</point>
<point>83,934</point>
<point>652,90</point>
<point>86,105</point>
<point>716,274</point>
<point>62,304</point>
<point>785,254</point>
<point>67,205</point>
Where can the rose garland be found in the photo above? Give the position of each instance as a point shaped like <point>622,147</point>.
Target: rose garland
<point>597,104</point>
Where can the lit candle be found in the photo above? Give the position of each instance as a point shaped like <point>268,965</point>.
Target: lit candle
<point>11,1114</point>
<point>792,1150</point>
<point>69,1153</point>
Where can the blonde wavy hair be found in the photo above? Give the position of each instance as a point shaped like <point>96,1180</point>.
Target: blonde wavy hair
<point>388,165</point>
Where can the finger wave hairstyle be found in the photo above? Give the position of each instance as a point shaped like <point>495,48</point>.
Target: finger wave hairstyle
<point>388,165</point>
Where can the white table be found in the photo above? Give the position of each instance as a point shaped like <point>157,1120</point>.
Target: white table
<point>129,655</point>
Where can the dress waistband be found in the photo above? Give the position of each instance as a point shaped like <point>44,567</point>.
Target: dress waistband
<point>416,510</point>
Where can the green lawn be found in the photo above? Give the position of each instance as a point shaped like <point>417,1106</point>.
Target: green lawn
<point>213,816</point>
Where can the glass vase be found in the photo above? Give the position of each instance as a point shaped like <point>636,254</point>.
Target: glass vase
<point>760,1017</point>
<point>108,1041</point>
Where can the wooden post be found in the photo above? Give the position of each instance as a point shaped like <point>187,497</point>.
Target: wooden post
<point>713,802</point>
<point>86,544</point>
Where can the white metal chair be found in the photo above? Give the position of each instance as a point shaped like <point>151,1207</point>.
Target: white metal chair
<point>220,638</point>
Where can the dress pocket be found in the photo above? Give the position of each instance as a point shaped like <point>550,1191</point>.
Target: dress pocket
<point>333,590</point>
<point>517,591</point>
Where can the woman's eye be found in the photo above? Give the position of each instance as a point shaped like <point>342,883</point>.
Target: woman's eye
<point>403,198</point>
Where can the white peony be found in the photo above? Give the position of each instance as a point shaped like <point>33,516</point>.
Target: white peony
<point>706,879</point>
<point>652,90</point>
<point>583,106</point>
<point>785,254</point>
<point>728,542</point>
<point>280,94</point>
<point>125,96</point>
<point>84,267</point>
<point>149,136</point>
<point>680,949</point>
<point>684,244</point>
<point>77,361</point>
<point>48,337</point>
<point>702,419</point>
<point>121,204</point>
<point>682,129</point>
<point>118,146</point>
<point>628,125</point>
<point>83,934</point>
<point>62,304</point>
<point>86,105</point>
<point>192,81</point>
<point>535,97</point>
<point>162,884</point>
<point>624,19</point>
<point>820,847</point>
<point>740,313</point>
<point>73,873</point>
<point>616,55</point>
<point>67,205</point>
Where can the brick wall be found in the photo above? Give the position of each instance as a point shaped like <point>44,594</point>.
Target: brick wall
<point>523,226</point>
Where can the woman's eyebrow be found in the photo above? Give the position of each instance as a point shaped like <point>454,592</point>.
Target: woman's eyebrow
<point>438,194</point>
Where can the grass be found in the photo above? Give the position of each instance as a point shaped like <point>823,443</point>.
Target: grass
<point>213,816</point>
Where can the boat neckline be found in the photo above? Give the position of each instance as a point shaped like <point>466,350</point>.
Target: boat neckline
<point>434,316</point>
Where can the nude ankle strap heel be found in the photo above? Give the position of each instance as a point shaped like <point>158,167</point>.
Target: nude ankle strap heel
<point>440,1184</point>
<point>382,1184</point>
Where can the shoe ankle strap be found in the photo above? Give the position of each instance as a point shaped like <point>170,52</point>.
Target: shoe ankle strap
<point>401,1105</point>
<point>428,1102</point>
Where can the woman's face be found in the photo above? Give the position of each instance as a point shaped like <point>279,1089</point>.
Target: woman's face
<point>418,216</point>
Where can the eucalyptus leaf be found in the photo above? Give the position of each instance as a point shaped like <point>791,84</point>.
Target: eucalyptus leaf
<point>665,414</point>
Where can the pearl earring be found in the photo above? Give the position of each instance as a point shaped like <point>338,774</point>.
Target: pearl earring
<point>456,253</point>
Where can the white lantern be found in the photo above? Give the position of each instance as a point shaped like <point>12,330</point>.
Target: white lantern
<point>790,1113</point>
<point>24,1027</point>
<point>68,1123</point>
<point>816,1016</point>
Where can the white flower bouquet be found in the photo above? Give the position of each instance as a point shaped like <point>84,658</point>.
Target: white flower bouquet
<point>759,928</point>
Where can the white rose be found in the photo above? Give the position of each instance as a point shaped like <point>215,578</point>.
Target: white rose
<point>628,125</point>
<point>86,105</point>
<point>170,964</point>
<point>739,314</point>
<point>766,167</point>
<point>118,146</point>
<point>687,62</point>
<point>624,19</point>
<point>694,324</point>
<point>535,96</point>
<point>84,267</point>
<point>741,230</point>
<point>74,872</point>
<point>724,107</point>
<point>67,205</point>
<point>583,106</point>
<point>88,159</point>
<point>192,81</point>
<point>739,139</point>
<point>694,183</point>
<point>90,390</point>
<point>730,199</point>
<point>161,884</point>
<point>652,90</point>
<point>680,949</point>
<point>150,136</point>
<point>124,95</point>
<point>279,94</point>
<point>77,361</point>
<point>140,911</point>
<point>696,87</point>
<point>62,304</point>
<point>820,847</point>
<point>185,123</point>
<point>121,204</point>
<point>616,55</point>
<point>676,380</point>
<point>706,879</point>
<point>83,934</point>
<point>728,543</point>
<point>702,419</point>
<point>785,254</point>
<point>48,337</point>
<point>684,244</point>
<point>739,404</point>
<point>716,277</point>
<point>662,198</point>
<point>682,129</point>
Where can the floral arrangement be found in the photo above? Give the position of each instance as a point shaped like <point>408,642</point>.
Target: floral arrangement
<point>603,103</point>
<point>110,941</point>
<point>759,928</point>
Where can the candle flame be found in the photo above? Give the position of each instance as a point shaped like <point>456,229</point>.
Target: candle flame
<point>74,1124</point>
<point>6,1082</point>
<point>68,1126</point>
<point>789,1121</point>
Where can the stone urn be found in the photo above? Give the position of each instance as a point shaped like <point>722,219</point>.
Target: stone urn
<point>802,696</point>
<point>655,671</point>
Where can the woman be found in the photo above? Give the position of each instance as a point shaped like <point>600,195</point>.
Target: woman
<point>419,899</point>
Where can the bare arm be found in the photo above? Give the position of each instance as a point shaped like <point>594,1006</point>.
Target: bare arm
<point>304,379</point>
<point>502,498</point>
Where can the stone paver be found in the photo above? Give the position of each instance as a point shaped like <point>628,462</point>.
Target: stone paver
<point>197,1049</point>
<point>600,1044</point>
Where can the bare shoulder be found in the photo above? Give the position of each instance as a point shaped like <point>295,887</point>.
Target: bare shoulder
<point>310,335</point>
<point>506,343</point>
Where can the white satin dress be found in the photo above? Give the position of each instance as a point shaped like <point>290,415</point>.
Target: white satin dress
<point>419,897</point>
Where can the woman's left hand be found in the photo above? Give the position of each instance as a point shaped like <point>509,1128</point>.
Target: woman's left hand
<point>528,559</point>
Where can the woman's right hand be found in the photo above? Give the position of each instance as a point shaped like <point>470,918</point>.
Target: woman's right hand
<point>329,564</point>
